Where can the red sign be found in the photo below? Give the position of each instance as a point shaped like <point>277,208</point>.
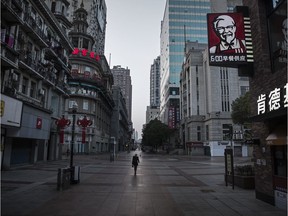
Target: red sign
<point>85,52</point>
<point>226,39</point>
<point>39,123</point>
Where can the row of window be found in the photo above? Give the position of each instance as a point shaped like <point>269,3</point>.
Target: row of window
<point>202,30</point>
<point>194,16</point>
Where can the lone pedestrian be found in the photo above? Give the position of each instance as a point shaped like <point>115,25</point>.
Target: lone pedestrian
<point>135,162</point>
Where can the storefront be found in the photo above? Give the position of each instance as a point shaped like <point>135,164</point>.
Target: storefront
<point>26,132</point>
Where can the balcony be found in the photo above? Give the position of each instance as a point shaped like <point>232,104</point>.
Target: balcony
<point>55,53</point>
<point>11,11</point>
<point>9,56</point>
<point>63,18</point>
<point>33,31</point>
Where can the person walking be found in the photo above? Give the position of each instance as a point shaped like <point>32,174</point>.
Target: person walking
<point>135,162</point>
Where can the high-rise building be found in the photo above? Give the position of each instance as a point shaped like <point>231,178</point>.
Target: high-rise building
<point>122,79</point>
<point>182,21</point>
<point>155,83</point>
<point>152,111</point>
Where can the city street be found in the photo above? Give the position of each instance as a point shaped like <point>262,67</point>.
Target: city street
<point>164,186</point>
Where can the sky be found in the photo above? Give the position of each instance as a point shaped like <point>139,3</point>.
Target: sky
<point>133,41</point>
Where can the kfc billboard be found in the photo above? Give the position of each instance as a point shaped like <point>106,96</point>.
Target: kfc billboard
<point>227,39</point>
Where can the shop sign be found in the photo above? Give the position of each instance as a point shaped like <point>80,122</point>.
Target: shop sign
<point>274,100</point>
<point>227,39</point>
<point>11,111</point>
<point>85,52</point>
<point>39,123</point>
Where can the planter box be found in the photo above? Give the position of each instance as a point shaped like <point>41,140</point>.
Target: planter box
<point>245,182</point>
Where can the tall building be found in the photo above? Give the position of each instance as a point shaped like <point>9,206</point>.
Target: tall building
<point>122,79</point>
<point>152,111</point>
<point>182,21</point>
<point>207,93</point>
<point>34,74</point>
<point>119,121</point>
<point>90,88</point>
<point>155,83</point>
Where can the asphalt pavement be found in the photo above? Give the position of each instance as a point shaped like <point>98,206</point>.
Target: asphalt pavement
<point>164,186</point>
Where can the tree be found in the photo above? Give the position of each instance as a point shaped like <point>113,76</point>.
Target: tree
<point>155,134</point>
<point>241,109</point>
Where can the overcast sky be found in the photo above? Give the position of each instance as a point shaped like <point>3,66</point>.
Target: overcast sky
<point>133,40</point>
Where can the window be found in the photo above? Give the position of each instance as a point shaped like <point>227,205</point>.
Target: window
<point>24,85</point>
<point>188,133</point>
<point>72,104</point>
<point>243,90</point>
<point>85,44</point>
<point>207,132</point>
<point>53,7</point>
<point>85,105</point>
<point>75,41</point>
<point>280,160</point>
<point>33,89</point>
<point>198,133</point>
<point>227,131</point>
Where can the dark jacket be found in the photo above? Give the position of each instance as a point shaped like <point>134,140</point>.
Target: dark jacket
<point>135,160</point>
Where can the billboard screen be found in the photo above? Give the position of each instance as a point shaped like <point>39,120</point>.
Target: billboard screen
<point>226,39</point>
<point>278,25</point>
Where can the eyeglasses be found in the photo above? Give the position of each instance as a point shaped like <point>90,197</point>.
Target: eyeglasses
<point>222,29</point>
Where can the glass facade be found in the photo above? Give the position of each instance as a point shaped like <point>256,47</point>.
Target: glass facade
<point>183,20</point>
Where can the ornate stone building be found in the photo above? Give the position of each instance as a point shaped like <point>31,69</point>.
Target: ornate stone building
<point>90,88</point>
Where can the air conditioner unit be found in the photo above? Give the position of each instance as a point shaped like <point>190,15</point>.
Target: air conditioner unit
<point>41,92</point>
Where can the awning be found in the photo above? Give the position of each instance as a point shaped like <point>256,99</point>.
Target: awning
<point>278,136</point>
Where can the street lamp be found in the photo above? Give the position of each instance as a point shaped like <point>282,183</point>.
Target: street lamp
<point>72,171</point>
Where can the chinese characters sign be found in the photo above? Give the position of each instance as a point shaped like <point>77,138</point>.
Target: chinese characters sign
<point>274,100</point>
<point>227,39</point>
<point>85,52</point>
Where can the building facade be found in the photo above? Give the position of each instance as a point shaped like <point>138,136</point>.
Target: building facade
<point>122,79</point>
<point>119,121</point>
<point>183,21</point>
<point>34,75</point>
<point>152,113</point>
<point>207,93</point>
<point>268,87</point>
<point>155,83</point>
<point>96,19</point>
<point>90,88</point>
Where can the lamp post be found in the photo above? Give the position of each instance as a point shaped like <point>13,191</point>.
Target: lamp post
<point>74,110</point>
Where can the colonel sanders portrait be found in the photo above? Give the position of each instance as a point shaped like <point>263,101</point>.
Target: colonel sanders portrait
<point>225,28</point>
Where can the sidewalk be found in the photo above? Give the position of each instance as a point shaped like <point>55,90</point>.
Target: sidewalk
<point>163,186</point>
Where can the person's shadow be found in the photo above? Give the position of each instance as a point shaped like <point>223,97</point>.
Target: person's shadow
<point>134,181</point>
